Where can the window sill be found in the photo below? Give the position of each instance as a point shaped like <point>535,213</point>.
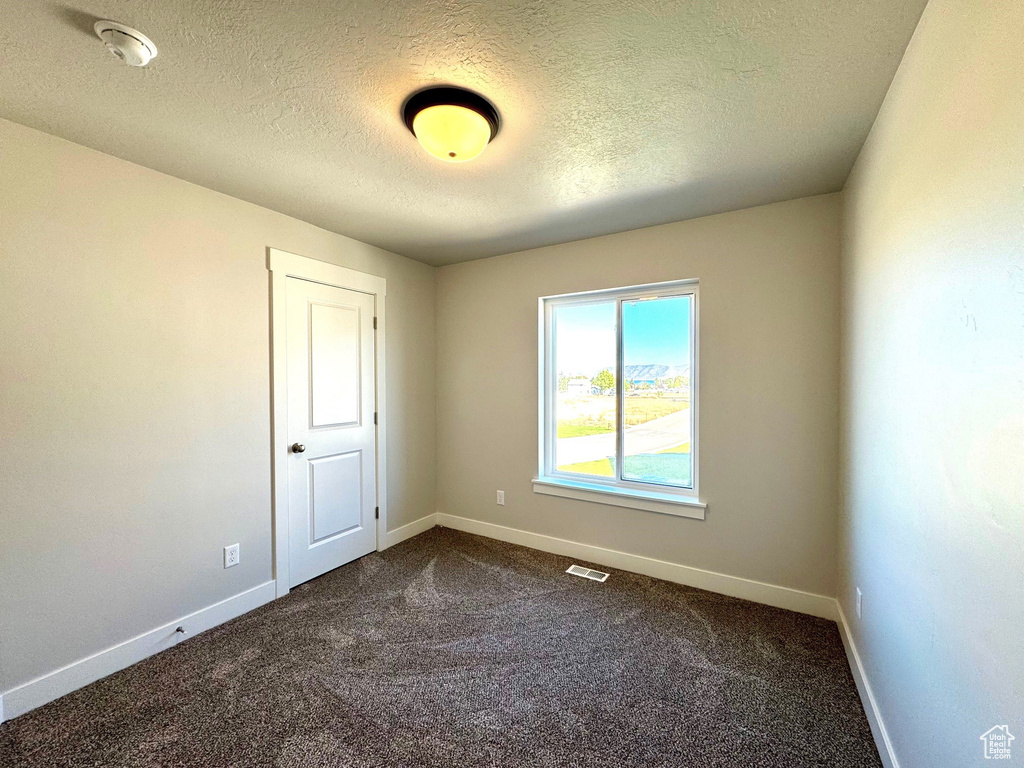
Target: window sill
<point>650,501</point>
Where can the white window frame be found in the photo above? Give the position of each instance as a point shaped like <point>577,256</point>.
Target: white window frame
<point>653,497</point>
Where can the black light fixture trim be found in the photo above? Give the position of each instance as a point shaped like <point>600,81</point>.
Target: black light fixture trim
<point>459,97</point>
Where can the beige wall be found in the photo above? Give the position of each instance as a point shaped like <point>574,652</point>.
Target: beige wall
<point>769,372</point>
<point>933,396</point>
<point>134,395</point>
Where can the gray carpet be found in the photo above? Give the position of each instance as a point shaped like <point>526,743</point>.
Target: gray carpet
<point>455,650</point>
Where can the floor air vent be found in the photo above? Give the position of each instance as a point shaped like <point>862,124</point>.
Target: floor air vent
<point>587,573</point>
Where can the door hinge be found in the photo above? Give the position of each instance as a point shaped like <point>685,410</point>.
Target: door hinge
<point>376,513</point>
<point>375,323</point>
<point>374,417</point>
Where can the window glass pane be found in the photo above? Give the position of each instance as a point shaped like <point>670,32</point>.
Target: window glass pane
<point>657,418</point>
<point>584,337</point>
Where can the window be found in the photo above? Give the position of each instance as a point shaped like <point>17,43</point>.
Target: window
<point>619,397</point>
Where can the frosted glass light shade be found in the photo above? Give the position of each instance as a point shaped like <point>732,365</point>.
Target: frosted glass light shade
<point>452,124</point>
<point>452,133</point>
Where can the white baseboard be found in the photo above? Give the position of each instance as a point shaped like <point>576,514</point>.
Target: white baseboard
<point>415,528</point>
<point>734,586</point>
<point>867,696</point>
<point>53,685</point>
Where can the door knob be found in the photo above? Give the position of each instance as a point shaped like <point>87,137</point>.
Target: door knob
<point>298,447</point>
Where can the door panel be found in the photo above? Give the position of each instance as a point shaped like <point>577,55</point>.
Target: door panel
<point>334,357</point>
<point>332,481</point>
<point>333,507</point>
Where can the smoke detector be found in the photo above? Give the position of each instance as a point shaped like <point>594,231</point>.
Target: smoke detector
<point>129,45</point>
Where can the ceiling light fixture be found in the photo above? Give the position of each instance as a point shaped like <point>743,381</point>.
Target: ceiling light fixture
<point>452,124</point>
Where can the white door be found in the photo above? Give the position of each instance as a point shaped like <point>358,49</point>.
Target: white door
<point>332,470</point>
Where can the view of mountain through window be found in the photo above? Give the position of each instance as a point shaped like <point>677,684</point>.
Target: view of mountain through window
<point>656,416</point>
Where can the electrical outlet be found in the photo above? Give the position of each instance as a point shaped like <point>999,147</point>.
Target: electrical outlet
<point>501,498</point>
<point>860,599</point>
<point>231,556</point>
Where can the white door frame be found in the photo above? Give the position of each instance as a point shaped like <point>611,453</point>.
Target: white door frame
<point>283,265</point>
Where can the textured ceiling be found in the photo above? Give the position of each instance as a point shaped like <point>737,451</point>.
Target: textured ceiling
<point>616,114</point>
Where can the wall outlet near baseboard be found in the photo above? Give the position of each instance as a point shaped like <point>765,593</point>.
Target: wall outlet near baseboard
<point>231,556</point>
<point>860,600</point>
<point>501,498</point>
